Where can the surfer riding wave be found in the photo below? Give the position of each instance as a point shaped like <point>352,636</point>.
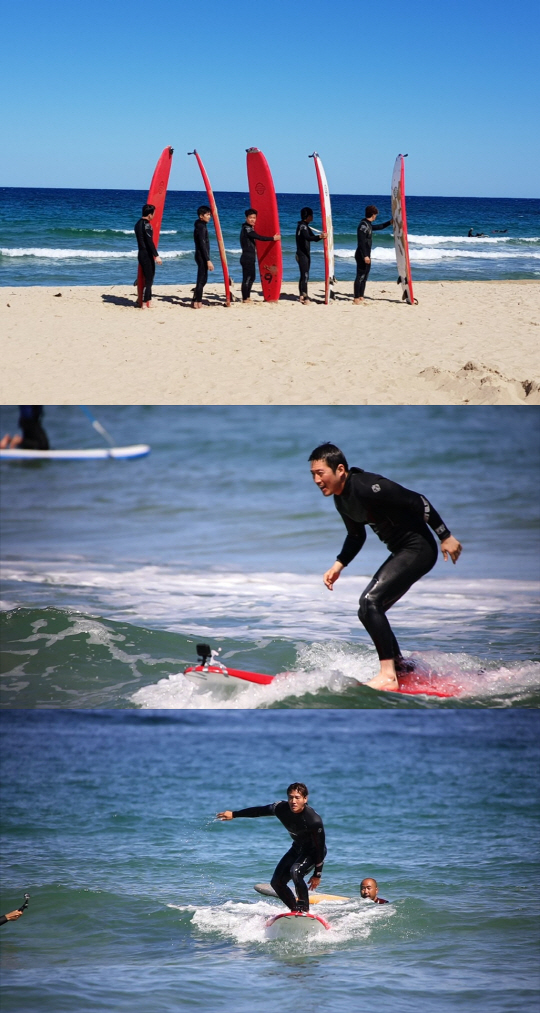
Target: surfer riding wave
<point>307,852</point>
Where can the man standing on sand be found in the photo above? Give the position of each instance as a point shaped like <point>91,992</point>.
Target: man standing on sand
<point>400,518</point>
<point>248,235</point>
<point>202,253</point>
<point>363,250</point>
<point>304,237</point>
<point>148,256</point>
<point>308,850</point>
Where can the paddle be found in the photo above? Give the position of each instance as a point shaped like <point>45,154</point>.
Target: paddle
<point>97,426</point>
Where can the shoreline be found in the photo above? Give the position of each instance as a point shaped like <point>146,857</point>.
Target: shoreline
<point>460,345</point>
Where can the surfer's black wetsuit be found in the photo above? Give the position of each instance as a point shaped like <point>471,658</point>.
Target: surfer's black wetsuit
<point>34,435</point>
<point>249,254</point>
<point>363,249</point>
<point>304,236</point>
<point>146,255</point>
<point>202,256</point>
<point>308,850</point>
<point>400,518</point>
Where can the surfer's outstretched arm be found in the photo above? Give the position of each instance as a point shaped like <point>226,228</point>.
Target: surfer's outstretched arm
<point>332,575</point>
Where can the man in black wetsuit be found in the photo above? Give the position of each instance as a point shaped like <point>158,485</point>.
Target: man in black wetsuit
<point>147,256</point>
<point>305,236</point>
<point>202,254</point>
<point>308,850</point>
<point>400,518</point>
<point>33,436</point>
<point>363,250</point>
<point>249,251</point>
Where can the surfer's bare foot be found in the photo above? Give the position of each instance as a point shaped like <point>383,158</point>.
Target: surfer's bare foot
<point>246,301</point>
<point>386,678</point>
<point>304,300</point>
<point>196,305</point>
<point>357,302</point>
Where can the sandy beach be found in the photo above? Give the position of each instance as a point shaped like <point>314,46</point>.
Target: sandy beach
<point>464,343</point>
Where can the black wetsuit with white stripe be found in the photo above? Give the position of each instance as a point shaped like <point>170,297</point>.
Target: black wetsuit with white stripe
<point>400,518</point>
<point>308,850</point>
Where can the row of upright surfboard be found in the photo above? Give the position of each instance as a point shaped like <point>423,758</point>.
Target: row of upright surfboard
<point>262,196</point>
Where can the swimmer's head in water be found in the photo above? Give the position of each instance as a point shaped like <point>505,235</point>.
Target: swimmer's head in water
<point>148,209</point>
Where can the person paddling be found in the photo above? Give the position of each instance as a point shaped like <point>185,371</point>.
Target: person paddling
<point>400,518</point>
<point>308,850</point>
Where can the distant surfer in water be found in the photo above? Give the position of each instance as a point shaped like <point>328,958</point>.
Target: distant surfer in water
<point>248,235</point>
<point>363,250</point>
<point>370,891</point>
<point>304,237</point>
<point>202,254</point>
<point>147,256</point>
<point>400,518</point>
<point>308,850</point>
<point>33,436</point>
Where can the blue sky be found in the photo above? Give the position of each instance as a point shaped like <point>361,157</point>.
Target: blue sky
<point>97,89</point>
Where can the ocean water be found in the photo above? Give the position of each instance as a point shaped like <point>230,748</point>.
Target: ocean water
<point>85,237</point>
<point>141,900</point>
<point>114,570</point>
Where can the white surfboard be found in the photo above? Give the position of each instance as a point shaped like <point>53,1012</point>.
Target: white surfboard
<point>295,925</point>
<point>98,454</point>
<point>401,241</point>
<point>326,218</point>
<point>314,898</point>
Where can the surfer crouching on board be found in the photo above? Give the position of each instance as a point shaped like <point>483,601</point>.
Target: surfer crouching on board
<point>202,254</point>
<point>33,436</point>
<point>400,518</point>
<point>248,258</point>
<point>308,850</point>
<point>363,250</point>
<point>305,236</point>
<point>147,256</point>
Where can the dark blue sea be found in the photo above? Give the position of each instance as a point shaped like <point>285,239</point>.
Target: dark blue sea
<point>114,570</point>
<point>85,237</point>
<point>141,902</point>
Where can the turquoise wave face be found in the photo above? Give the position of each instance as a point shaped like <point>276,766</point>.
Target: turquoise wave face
<point>140,899</point>
<point>56,658</point>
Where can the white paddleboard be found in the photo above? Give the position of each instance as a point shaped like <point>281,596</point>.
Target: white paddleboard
<point>401,240</point>
<point>314,898</point>
<point>295,925</point>
<point>98,454</point>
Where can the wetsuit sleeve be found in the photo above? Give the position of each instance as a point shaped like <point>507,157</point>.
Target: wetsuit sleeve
<point>256,810</point>
<point>356,536</point>
<point>383,492</point>
<point>202,243</point>
<point>3,919</point>
<point>318,838</point>
<point>149,240</point>
<point>377,228</point>
<point>262,239</point>
<point>313,238</point>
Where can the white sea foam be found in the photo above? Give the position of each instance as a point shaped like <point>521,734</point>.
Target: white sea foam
<point>46,253</point>
<point>245,923</point>
<point>387,254</point>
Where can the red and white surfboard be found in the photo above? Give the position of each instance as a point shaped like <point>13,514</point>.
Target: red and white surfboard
<point>326,219</point>
<point>217,226</point>
<point>220,675</point>
<point>401,240</point>
<point>156,196</point>
<point>295,924</point>
<point>263,199</point>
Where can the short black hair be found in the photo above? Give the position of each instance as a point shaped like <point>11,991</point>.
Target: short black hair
<point>305,213</point>
<point>148,209</point>
<point>371,210</point>
<point>298,786</point>
<point>203,210</point>
<point>251,211</point>
<point>331,455</point>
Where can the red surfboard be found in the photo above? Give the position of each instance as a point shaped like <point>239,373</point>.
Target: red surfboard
<point>262,196</point>
<point>156,195</point>
<point>219,674</point>
<point>217,226</point>
<point>295,921</point>
<point>421,684</point>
